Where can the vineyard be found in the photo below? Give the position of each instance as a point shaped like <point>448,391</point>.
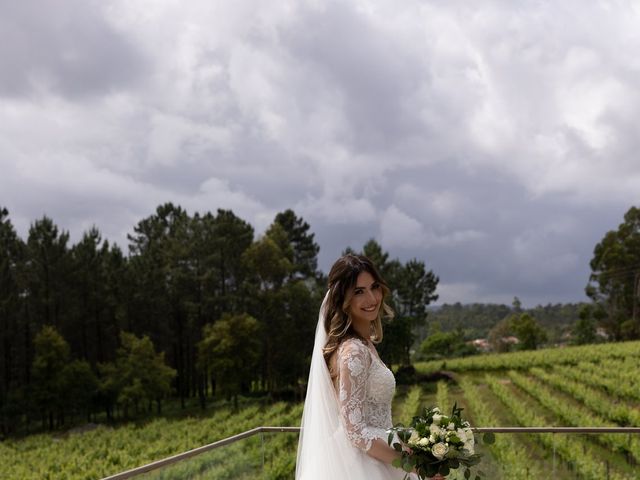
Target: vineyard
<point>105,451</point>
<point>577,386</point>
<point>587,386</point>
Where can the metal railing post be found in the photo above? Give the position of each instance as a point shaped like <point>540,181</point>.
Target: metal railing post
<point>553,468</point>
<point>262,442</point>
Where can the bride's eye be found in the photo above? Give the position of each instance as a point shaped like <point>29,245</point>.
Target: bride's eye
<point>375,286</point>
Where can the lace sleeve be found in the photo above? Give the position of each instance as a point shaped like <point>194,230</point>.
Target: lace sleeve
<point>354,360</point>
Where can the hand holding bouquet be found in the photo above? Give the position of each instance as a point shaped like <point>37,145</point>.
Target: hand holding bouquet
<point>436,443</point>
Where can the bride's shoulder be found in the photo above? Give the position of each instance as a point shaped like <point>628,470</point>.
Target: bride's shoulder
<point>353,346</point>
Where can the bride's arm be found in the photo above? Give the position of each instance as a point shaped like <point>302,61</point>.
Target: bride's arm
<point>382,451</point>
<point>354,360</point>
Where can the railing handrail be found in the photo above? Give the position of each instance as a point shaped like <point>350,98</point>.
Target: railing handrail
<point>249,433</point>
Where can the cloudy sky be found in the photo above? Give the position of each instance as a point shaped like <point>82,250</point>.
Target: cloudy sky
<point>498,144</point>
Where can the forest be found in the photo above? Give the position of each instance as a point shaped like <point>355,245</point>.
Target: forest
<point>198,308</point>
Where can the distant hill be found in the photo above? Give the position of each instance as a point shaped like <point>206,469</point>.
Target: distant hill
<point>476,319</point>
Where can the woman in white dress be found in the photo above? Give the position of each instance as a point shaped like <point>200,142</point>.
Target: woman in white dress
<point>347,410</point>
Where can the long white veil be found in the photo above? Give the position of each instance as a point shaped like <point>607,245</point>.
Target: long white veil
<point>324,451</point>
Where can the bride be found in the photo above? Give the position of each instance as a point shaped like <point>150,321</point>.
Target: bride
<point>347,410</point>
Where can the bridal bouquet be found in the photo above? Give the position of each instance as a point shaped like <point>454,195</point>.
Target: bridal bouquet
<point>436,443</point>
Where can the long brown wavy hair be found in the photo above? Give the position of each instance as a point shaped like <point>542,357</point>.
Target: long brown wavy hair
<point>342,280</point>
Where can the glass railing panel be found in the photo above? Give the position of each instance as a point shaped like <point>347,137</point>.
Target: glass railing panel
<point>280,451</point>
<point>604,455</point>
<point>240,460</point>
<point>566,456</point>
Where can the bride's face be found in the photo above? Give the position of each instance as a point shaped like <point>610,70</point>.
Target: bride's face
<point>366,300</point>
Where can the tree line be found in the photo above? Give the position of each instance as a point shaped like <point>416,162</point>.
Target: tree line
<point>199,307</point>
<point>477,319</point>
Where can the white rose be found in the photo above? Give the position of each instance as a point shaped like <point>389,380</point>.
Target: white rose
<point>468,446</point>
<point>451,426</point>
<point>423,442</point>
<point>436,419</point>
<point>468,440</point>
<point>413,439</point>
<point>439,450</point>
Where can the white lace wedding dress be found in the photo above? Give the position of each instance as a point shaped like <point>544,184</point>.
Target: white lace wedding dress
<point>338,427</point>
<point>365,392</point>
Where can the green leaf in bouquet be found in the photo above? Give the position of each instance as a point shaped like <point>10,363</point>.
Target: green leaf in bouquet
<point>390,437</point>
<point>431,469</point>
<point>397,447</point>
<point>467,474</point>
<point>454,463</point>
<point>408,465</point>
<point>397,462</point>
<point>444,470</point>
<point>489,438</point>
<point>452,453</point>
<point>473,459</point>
<point>455,411</point>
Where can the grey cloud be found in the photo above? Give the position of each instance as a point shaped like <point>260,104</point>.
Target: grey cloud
<point>493,204</point>
<point>375,76</point>
<point>66,47</point>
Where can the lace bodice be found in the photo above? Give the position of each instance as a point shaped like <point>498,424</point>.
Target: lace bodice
<point>365,392</point>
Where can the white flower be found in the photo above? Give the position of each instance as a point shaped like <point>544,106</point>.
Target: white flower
<point>451,426</point>
<point>467,438</point>
<point>439,450</point>
<point>413,439</point>
<point>469,448</point>
<point>423,442</point>
<point>436,419</point>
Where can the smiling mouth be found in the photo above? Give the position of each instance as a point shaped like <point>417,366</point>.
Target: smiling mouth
<point>370,309</point>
